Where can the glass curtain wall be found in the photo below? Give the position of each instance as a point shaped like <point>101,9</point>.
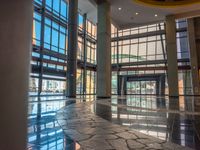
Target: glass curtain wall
<point>184,76</point>
<point>142,50</point>
<point>50,49</point>
<point>138,50</point>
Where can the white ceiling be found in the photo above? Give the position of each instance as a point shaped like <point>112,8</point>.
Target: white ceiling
<point>126,17</point>
<point>88,7</point>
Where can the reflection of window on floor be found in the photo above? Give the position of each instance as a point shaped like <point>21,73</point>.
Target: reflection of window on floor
<point>139,119</point>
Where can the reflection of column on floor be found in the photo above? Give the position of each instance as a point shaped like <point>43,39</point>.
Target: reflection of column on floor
<point>104,111</point>
<point>173,105</point>
<point>120,111</point>
<point>38,123</point>
<point>70,144</point>
<point>174,120</point>
<point>196,118</point>
<point>161,102</point>
<point>193,34</point>
<point>171,44</point>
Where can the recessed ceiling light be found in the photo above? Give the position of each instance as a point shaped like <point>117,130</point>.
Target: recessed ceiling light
<point>136,13</point>
<point>119,8</point>
<point>156,15</point>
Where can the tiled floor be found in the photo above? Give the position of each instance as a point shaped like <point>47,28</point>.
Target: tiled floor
<point>44,133</point>
<point>172,120</point>
<point>95,133</point>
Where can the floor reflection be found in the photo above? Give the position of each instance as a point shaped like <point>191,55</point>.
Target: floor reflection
<point>58,98</point>
<point>44,132</point>
<point>175,120</point>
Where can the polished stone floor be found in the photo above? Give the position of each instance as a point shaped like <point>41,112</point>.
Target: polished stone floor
<point>173,120</point>
<point>44,133</point>
<point>43,130</point>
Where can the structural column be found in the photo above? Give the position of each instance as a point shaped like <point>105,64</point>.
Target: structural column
<point>15,40</point>
<point>104,50</point>
<point>193,56</point>
<point>41,49</point>
<point>72,48</point>
<point>171,50</point>
<point>85,53</point>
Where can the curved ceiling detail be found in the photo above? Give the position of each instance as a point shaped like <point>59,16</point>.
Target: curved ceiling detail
<point>132,13</point>
<point>167,3</point>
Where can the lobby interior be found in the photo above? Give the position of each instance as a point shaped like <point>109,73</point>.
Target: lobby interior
<point>100,75</point>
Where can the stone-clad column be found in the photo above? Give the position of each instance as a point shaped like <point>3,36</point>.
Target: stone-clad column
<point>193,56</point>
<point>104,50</point>
<point>15,39</point>
<point>85,53</point>
<point>197,36</point>
<point>171,44</point>
<point>72,48</point>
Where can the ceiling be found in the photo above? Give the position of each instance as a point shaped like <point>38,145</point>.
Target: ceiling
<point>88,7</point>
<point>126,16</point>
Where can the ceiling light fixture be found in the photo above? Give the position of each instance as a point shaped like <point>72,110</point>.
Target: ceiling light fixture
<point>156,15</point>
<point>136,13</point>
<point>119,8</point>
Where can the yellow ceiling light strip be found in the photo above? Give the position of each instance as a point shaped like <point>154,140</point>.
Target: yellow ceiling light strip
<point>167,4</point>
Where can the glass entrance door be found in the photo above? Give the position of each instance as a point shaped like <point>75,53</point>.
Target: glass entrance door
<point>141,87</point>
